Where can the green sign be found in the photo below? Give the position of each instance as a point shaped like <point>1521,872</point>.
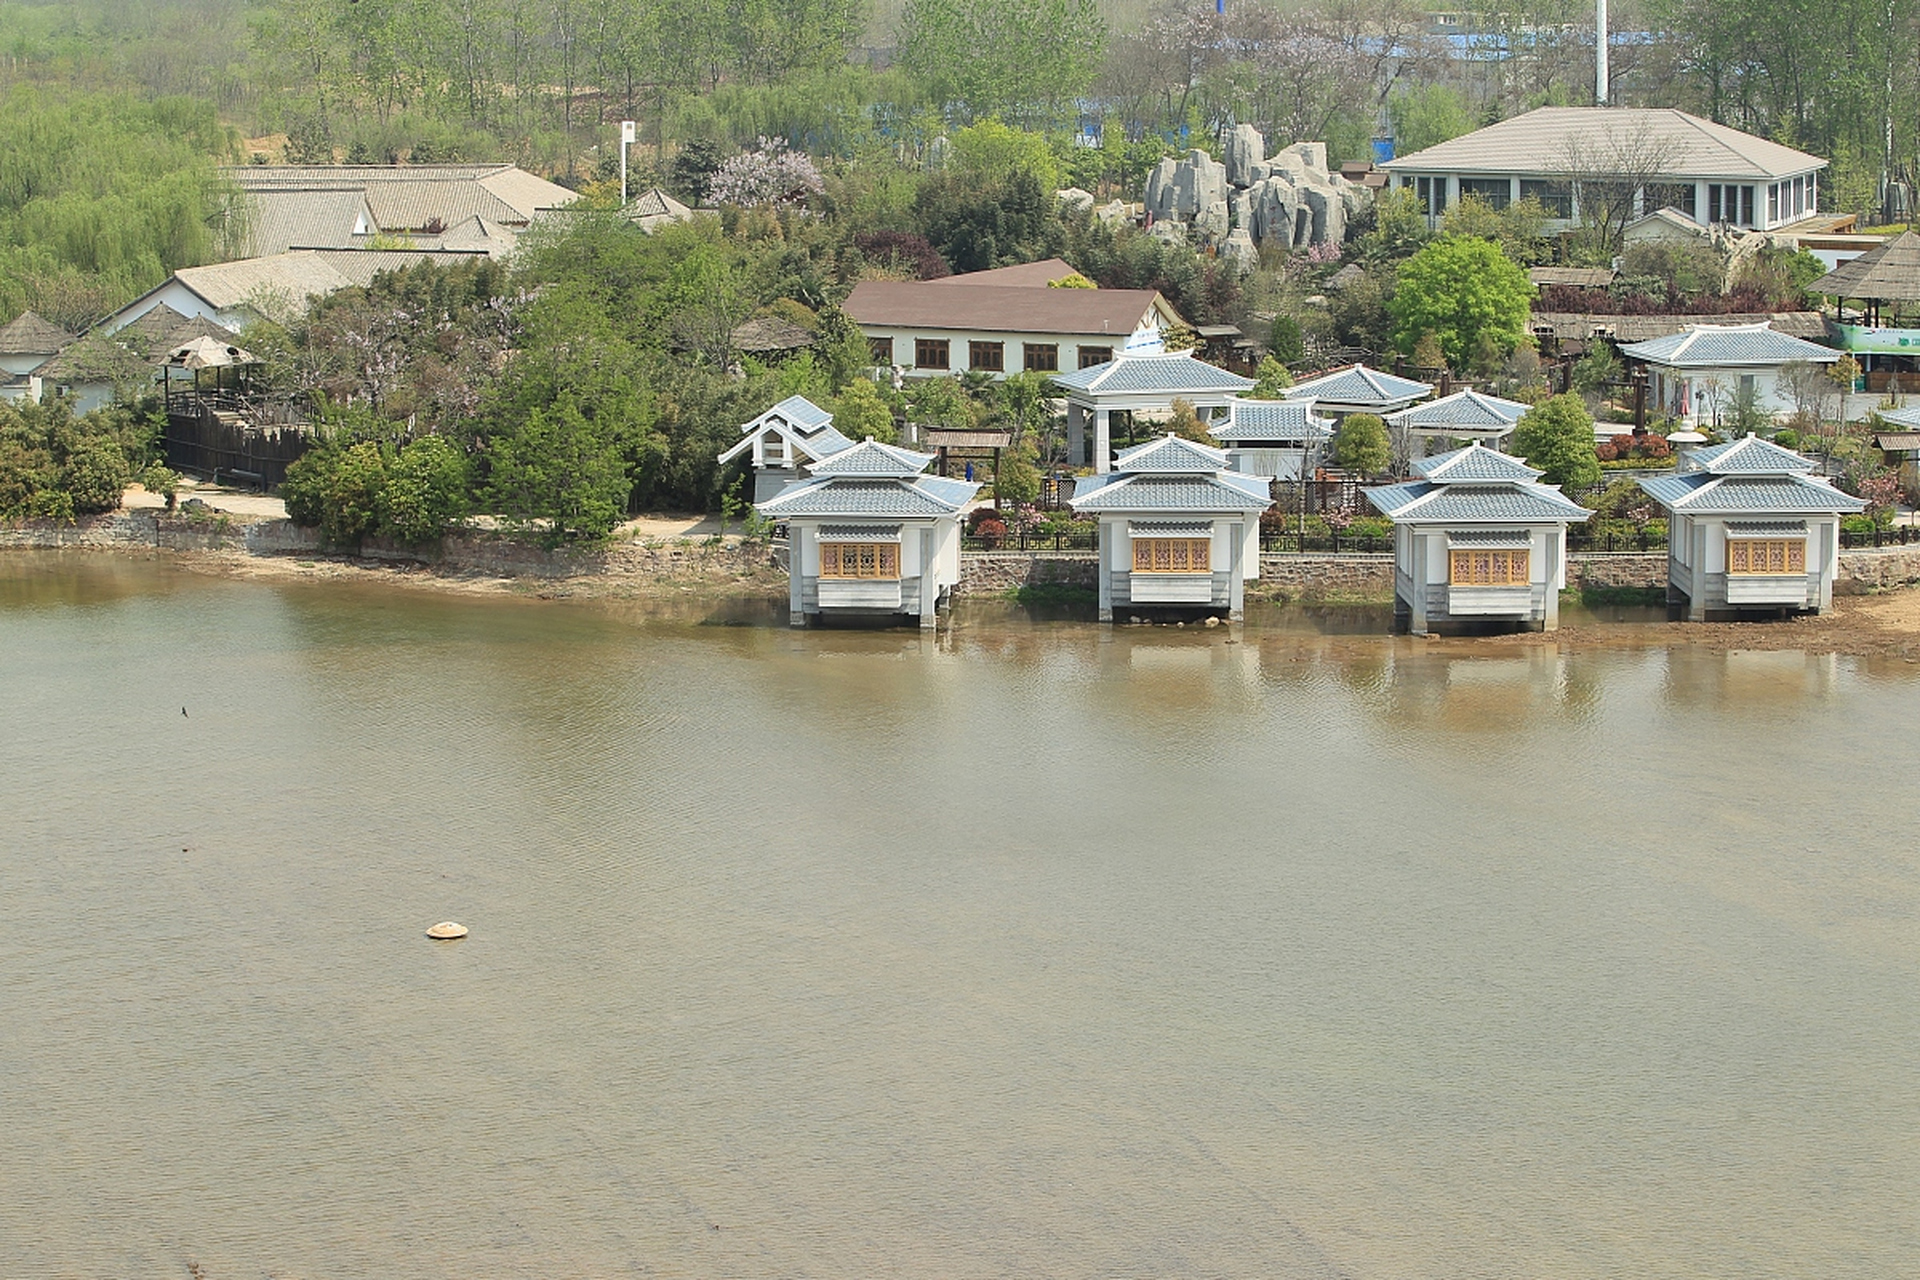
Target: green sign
<point>1876,341</point>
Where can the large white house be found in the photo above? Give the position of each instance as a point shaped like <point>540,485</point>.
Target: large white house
<point>1749,529</point>
<point>1006,321</point>
<point>1699,373</point>
<point>1179,530</point>
<point>1707,171</point>
<point>869,535</point>
<point>1477,539</point>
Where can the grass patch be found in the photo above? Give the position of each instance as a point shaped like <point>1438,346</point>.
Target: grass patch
<point>1595,597</point>
<point>1053,593</point>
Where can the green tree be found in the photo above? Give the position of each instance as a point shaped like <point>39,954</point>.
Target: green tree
<point>1019,62</point>
<point>989,151</point>
<point>561,472</point>
<point>1018,479</point>
<point>1458,289</point>
<point>1556,436</point>
<point>1285,340</point>
<point>1270,381</point>
<point>859,413</point>
<point>1360,444</point>
<point>1428,116</point>
<point>428,491</point>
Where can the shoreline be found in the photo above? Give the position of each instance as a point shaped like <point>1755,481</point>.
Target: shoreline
<point>1881,621</point>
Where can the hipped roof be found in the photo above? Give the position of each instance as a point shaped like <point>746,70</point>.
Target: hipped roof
<point>916,304</point>
<point>28,334</point>
<point>1549,140</point>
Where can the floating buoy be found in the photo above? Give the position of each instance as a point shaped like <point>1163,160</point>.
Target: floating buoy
<point>447,931</point>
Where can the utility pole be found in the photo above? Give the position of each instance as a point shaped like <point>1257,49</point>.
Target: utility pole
<point>1600,76</point>
<point>626,140</point>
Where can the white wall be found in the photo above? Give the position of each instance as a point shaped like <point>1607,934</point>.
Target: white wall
<point>1146,340</point>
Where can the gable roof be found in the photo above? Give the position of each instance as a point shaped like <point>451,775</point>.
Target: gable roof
<point>411,197</point>
<point>1270,420</point>
<point>1464,410</point>
<point>931,304</point>
<point>849,497</point>
<point>1169,454</point>
<point>655,208</point>
<point>1749,456</point>
<point>1890,271</point>
<point>1702,493</point>
<point>1028,275</point>
<point>1547,140</point>
<point>298,274</point>
<point>870,458</point>
<point>282,217</point>
<point>1476,462</point>
<point>1357,384</point>
<point>1713,345</point>
<point>29,334</point>
<point>1195,492</point>
<point>1167,373</point>
<point>162,328</point>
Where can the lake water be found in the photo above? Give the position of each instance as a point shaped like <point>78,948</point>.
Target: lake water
<point>1035,950</point>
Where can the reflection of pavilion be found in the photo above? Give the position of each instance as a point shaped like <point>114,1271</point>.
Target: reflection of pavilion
<point>1130,385</point>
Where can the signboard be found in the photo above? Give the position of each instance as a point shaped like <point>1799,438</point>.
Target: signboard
<point>626,131</point>
<point>1872,340</point>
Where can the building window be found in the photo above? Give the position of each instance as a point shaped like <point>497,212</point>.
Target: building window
<point>991,356</point>
<point>1555,197</point>
<point>1171,555</point>
<point>880,350</point>
<point>860,560</point>
<point>1042,357</point>
<point>1431,192</point>
<point>1766,555</point>
<point>930,353</point>
<point>1485,567</point>
<point>1497,192</point>
<point>1746,206</point>
<point>1091,356</point>
<point>1773,203</point>
<point>1678,196</point>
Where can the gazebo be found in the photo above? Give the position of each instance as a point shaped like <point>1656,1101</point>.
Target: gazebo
<point>1886,273</point>
<point>203,353</point>
<point>1464,415</point>
<point>1358,389</point>
<point>1135,384</point>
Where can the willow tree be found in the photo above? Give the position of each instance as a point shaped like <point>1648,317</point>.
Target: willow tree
<point>1020,62</point>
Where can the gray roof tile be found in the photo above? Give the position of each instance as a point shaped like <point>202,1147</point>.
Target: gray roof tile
<point>1271,420</point>
<point>1168,454</point>
<point>1714,346</point>
<point>1476,462</point>
<point>1749,455</point>
<point>1423,502</point>
<point>1544,142</point>
<point>846,498</point>
<point>1169,374</point>
<point>871,458</point>
<point>1151,493</point>
<point>1359,385</point>
<point>1700,493</point>
<point>1463,409</point>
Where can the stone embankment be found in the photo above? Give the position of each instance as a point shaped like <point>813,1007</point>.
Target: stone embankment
<point>759,569</point>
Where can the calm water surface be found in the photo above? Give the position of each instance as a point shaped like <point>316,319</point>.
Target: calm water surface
<point>1032,951</point>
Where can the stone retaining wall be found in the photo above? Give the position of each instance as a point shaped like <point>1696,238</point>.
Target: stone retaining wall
<point>1859,572</point>
<point>995,573</point>
<point>1616,569</point>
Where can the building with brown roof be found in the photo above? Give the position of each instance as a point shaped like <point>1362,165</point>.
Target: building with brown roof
<point>1012,324</point>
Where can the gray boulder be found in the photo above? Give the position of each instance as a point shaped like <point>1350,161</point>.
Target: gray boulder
<point>1245,149</point>
<point>1211,222</point>
<point>1199,180</point>
<point>1161,195</point>
<point>1239,250</point>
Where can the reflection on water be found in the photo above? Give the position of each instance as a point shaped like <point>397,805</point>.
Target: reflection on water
<point>1029,948</point>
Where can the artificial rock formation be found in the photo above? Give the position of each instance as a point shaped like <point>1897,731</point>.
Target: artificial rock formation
<point>1289,200</point>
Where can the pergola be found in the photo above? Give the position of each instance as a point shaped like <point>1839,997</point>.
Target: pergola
<point>968,444</point>
<point>1140,384</point>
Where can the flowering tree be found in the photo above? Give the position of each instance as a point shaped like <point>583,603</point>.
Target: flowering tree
<point>1881,489</point>
<point>770,174</point>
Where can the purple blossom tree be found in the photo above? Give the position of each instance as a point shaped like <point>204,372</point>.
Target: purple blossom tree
<point>770,174</point>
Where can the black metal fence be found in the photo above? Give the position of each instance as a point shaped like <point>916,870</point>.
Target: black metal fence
<point>1897,536</point>
<point>1083,537</point>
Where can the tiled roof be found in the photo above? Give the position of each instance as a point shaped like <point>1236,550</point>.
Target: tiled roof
<point>28,334</point>
<point>1220,491</point>
<point>1359,385</point>
<point>1474,463</point>
<point>299,274</point>
<point>1749,455</point>
<point>931,304</point>
<point>1580,326</point>
<point>1700,493</point>
<point>1169,528</point>
<point>805,425</point>
<point>1170,453</point>
<point>413,196</point>
<point>1712,346</point>
<point>1271,420</point>
<point>1488,538</point>
<point>655,208</point>
<point>839,496</point>
<point>1424,502</point>
<point>1553,139</point>
<point>870,458</point>
<point>1909,418</point>
<point>280,218</point>
<point>1463,409</point>
<point>1169,374</point>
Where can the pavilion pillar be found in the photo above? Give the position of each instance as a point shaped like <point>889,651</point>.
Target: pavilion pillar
<point>1076,435</point>
<point>1102,441</point>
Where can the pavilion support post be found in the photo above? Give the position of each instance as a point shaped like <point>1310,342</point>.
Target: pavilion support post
<point>1102,441</point>
<point>1076,436</point>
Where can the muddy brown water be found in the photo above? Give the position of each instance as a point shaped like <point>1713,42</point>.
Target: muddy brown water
<point>1030,950</point>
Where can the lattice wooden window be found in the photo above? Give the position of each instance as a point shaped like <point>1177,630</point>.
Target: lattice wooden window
<point>930,353</point>
<point>1487,567</point>
<point>859,560</point>
<point>1172,555</point>
<point>1091,356</point>
<point>1042,357</point>
<point>880,350</point>
<point>1766,555</point>
<point>991,356</point>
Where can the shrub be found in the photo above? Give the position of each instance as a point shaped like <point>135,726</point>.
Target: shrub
<point>1556,436</point>
<point>426,491</point>
<point>990,531</point>
<point>1606,452</point>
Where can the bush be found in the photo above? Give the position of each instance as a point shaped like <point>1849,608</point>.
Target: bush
<point>990,531</point>
<point>426,491</point>
<point>337,491</point>
<point>1556,436</point>
<point>1360,444</point>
